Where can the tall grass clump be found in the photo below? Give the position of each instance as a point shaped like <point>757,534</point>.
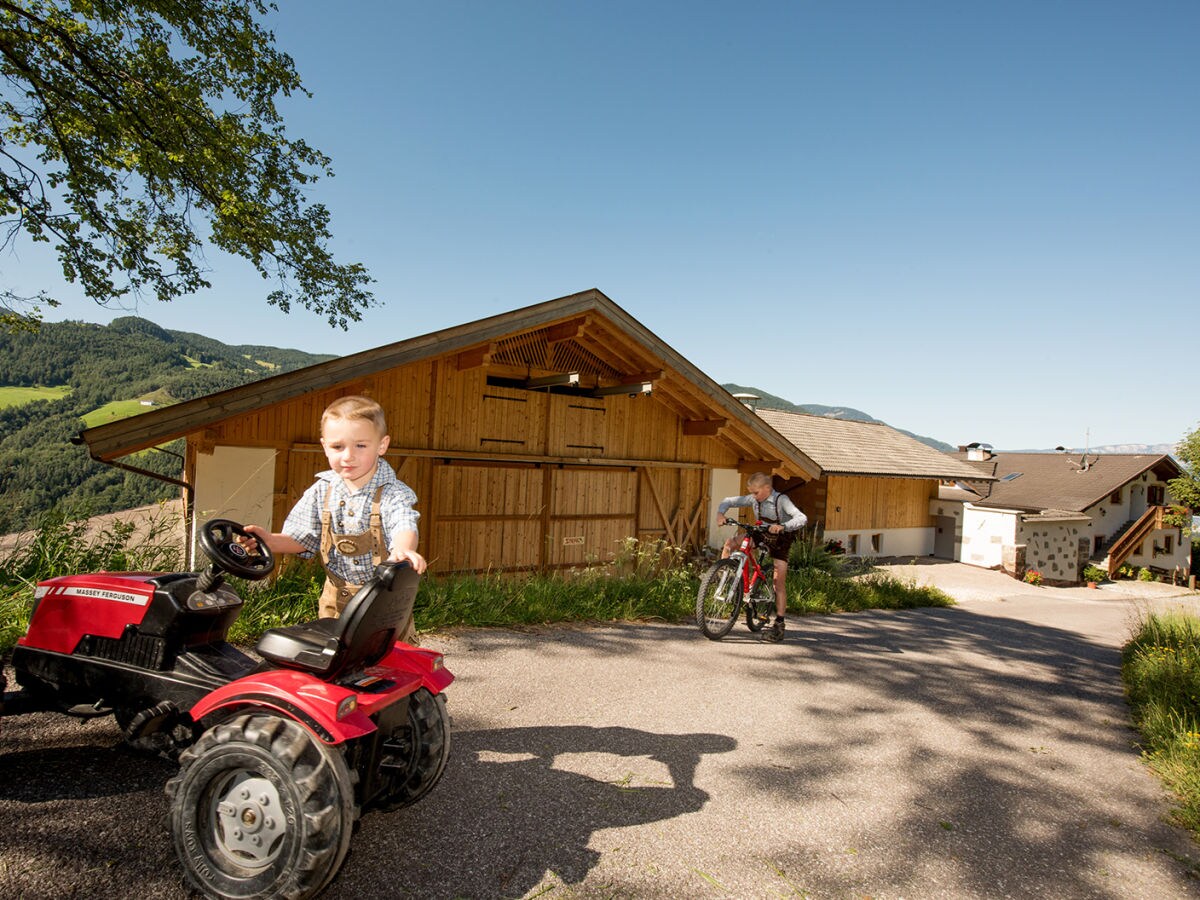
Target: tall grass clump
<point>821,580</point>
<point>815,591</point>
<point>63,544</point>
<point>645,581</point>
<point>1160,666</point>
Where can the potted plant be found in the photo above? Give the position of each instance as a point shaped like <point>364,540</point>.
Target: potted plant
<point>1093,575</point>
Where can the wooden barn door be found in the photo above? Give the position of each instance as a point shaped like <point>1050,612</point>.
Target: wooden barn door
<point>590,510</point>
<point>485,517</point>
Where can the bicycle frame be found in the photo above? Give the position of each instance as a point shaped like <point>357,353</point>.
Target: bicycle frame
<point>753,573</point>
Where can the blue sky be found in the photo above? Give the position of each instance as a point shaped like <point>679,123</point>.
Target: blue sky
<point>975,221</point>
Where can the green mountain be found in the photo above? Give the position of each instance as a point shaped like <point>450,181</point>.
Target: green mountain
<point>86,374</point>
<point>770,401</point>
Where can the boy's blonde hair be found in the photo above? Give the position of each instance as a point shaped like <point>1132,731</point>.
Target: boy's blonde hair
<point>758,479</point>
<point>356,407</point>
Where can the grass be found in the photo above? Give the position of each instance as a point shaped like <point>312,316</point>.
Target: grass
<point>645,582</point>
<point>16,396</point>
<point>1161,669</point>
<point>112,411</point>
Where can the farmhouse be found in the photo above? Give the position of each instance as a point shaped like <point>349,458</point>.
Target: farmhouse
<point>535,439</point>
<point>1055,512</point>
<point>877,485</point>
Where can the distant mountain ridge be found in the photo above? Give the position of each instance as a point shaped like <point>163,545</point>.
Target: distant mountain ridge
<point>1144,449</point>
<point>770,401</point>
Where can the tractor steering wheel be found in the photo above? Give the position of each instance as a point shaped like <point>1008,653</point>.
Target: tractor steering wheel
<point>218,538</point>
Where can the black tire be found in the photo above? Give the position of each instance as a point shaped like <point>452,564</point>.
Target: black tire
<point>719,599</point>
<point>761,602</point>
<point>229,784</point>
<point>425,755</point>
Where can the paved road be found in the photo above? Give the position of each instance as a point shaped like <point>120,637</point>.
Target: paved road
<point>979,751</point>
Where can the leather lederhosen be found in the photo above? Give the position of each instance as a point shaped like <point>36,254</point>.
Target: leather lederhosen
<point>337,591</point>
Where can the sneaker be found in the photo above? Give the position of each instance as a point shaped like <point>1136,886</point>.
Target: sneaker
<point>774,634</point>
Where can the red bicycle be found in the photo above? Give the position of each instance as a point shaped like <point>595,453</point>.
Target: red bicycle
<point>736,581</point>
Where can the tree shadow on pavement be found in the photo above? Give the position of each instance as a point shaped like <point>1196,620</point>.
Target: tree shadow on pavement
<point>526,802</point>
<point>987,754</point>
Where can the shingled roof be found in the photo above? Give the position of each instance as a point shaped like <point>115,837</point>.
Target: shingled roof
<point>848,447</point>
<point>1056,481</point>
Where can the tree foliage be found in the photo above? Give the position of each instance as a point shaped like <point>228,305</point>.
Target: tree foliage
<point>1186,488</point>
<point>125,126</point>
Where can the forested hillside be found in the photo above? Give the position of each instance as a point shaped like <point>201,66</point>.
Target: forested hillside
<point>129,359</point>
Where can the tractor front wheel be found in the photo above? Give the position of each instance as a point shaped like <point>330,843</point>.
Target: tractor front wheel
<point>261,808</point>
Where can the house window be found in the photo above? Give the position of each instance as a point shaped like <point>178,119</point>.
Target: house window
<point>876,543</point>
<point>1097,543</point>
<point>1115,497</point>
<point>1155,495</point>
<point>1141,548</point>
<point>854,545</point>
<point>1168,543</point>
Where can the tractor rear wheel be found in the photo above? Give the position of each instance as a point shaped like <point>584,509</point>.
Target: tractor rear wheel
<point>420,758</point>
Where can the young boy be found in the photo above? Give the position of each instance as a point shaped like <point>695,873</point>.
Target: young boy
<point>357,513</point>
<point>785,520</point>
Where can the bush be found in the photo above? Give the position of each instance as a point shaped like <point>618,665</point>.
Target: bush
<point>1146,575</point>
<point>1033,576</point>
<point>1094,573</point>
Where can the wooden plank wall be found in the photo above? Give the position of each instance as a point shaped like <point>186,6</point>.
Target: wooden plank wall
<point>865,502</point>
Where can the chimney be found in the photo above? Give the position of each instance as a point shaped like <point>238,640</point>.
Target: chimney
<point>977,452</point>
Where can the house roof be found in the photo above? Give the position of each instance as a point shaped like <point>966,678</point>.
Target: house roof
<point>585,332</point>
<point>1059,482</point>
<point>848,447</point>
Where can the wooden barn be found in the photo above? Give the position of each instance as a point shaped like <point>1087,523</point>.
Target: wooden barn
<point>878,489</point>
<point>535,439</point>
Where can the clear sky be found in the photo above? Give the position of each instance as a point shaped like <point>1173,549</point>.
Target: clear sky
<point>975,221</point>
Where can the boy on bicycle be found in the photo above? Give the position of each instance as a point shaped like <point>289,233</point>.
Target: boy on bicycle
<point>784,520</point>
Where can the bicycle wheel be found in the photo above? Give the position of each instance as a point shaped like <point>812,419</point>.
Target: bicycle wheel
<point>719,599</point>
<point>760,604</point>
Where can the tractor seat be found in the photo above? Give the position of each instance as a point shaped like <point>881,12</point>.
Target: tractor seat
<point>360,637</point>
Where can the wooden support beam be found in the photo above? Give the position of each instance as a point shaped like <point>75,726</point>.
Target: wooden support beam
<point>565,331</point>
<point>703,427</point>
<point>750,466</point>
<point>475,357</point>
<point>662,512</point>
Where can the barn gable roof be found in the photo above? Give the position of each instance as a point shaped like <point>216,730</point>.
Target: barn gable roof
<point>850,447</point>
<point>585,333</point>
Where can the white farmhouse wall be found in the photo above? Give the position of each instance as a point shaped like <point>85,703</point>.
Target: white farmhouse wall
<point>234,483</point>
<point>724,483</point>
<point>884,541</point>
<point>985,533</point>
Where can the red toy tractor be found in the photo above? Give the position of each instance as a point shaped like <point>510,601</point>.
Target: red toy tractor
<point>279,755</point>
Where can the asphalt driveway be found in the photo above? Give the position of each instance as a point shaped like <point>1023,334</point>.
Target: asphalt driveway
<point>979,751</point>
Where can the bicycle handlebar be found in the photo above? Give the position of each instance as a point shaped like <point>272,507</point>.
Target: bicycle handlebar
<point>752,528</point>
